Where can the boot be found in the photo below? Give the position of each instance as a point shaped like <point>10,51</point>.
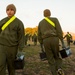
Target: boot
<point>60,72</point>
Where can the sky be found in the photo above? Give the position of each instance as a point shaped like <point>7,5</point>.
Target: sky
<point>30,12</point>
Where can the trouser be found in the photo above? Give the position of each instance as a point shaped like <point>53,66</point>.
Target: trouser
<point>51,45</point>
<point>7,57</point>
<point>35,41</point>
<point>26,41</point>
<point>68,42</point>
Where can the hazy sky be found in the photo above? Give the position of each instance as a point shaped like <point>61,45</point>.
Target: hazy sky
<point>31,11</point>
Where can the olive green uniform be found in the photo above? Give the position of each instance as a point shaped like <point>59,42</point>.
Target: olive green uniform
<point>11,40</point>
<point>35,39</point>
<point>68,38</point>
<point>26,38</point>
<point>49,36</point>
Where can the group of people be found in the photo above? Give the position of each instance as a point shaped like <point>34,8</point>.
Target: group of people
<point>12,40</point>
<point>33,38</point>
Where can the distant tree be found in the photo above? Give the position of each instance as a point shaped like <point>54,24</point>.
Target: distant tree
<point>31,31</point>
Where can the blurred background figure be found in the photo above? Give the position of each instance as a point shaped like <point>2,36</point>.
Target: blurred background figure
<point>35,38</point>
<point>68,37</point>
<point>26,38</point>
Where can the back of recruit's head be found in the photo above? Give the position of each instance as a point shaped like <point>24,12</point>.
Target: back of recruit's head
<point>47,13</point>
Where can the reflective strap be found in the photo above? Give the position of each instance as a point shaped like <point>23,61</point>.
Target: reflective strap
<point>7,23</point>
<point>69,35</point>
<point>52,23</point>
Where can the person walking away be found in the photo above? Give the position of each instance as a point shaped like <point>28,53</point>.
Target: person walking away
<point>49,33</point>
<point>26,38</point>
<point>11,40</point>
<point>35,39</point>
<point>68,37</point>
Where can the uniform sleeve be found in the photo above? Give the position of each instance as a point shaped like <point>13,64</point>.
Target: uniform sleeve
<point>21,33</point>
<point>59,30</point>
<point>39,35</point>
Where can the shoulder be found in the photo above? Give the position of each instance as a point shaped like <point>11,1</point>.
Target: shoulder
<point>42,21</point>
<point>53,18</point>
<point>17,20</point>
<point>19,23</point>
<point>4,20</point>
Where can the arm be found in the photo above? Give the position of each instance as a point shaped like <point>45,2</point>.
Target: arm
<point>59,32</point>
<point>21,33</point>
<point>64,36</point>
<point>40,35</point>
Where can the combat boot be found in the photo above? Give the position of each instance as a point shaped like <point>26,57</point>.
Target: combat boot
<point>60,72</point>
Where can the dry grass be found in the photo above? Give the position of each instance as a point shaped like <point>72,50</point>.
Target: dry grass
<point>34,66</point>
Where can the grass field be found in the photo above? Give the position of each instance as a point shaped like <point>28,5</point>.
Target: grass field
<point>35,66</point>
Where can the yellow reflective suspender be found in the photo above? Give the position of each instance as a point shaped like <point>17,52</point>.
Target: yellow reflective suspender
<point>8,22</point>
<point>69,35</point>
<point>48,20</point>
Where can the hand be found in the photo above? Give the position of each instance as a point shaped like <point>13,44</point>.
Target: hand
<point>19,54</point>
